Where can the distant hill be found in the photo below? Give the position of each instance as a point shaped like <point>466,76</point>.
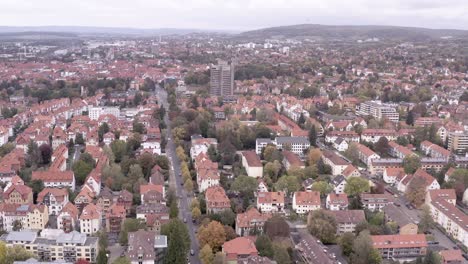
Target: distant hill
<point>327,32</point>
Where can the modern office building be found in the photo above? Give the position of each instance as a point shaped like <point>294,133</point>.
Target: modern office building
<point>222,78</point>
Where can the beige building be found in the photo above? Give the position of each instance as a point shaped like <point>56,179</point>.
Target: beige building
<point>68,247</point>
<point>37,218</point>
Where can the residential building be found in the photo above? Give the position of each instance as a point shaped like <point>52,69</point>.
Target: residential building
<point>55,199</point>
<point>216,200</point>
<point>18,194</point>
<point>373,135</point>
<point>201,145</point>
<point>270,202</point>
<point>252,164</point>
<point>54,178</point>
<point>430,182</point>
<point>292,160</point>
<point>446,214</point>
<point>340,144</point>
<point>393,175</point>
<point>400,246</point>
<point>337,163</point>
<point>304,202</point>
<point>115,218</point>
<point>96,112</point>
<point>69,247</point>
<point>239,248</point>
<point>251,222</point>
<point>67,219</point>
<point>451,256</point>
<point>375,202</point>
<point>207,172</point>
<point>434,150</point>
<point>347,220</point>
<point>366,155</point>
<point>339,183</point>
<point>145,247</point>
<point>312,251</point>
<point>90,219</point>
<point>458,142</point>
<point>336,202</point>
<point>297,145</point>
<point>222,78</point>
<point>379,110</point>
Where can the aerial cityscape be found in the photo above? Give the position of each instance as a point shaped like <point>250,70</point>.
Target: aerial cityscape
<point>291,143</point>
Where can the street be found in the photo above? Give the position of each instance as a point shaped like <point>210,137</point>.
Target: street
<point>175,180</point>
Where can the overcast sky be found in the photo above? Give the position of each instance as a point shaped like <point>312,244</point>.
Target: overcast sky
<point>233,14</point>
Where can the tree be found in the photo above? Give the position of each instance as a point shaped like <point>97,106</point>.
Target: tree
<point>103,239</point>
<point>382,147</point>
<point>129,225</point>
<point>356,186</point>
<point>81,170</point>
<point>212,234</point>
<point>37,186</point>
<point>119,148</point>
<point>314,156</point>
<point>352,153</point>
<point>346,243</point>
<point>323,187</point>
<point>103,129</point>
<point>432,257</point>
<point>410,118</point>
<point>101,257</point>
<point>227,152</point>
<point>17,225</point>
<point>188,185</point>
<point>322,225</point>
<point>79,139</point>
<point>458,181</point>
<point>411,163</point>
<point>180,152</point>
<point>276,226</point>
<point>8,255</point>
<point>46,153</point>
<point>426,222</point>
<point>272,169</point>
<point>34,154</point>
<point>206,254</point>
<point>227,217</point>
<point>196,213</point>
<point>313,136</point>
<point>416,191</point>
<point>264,246</point>
<point>363,251</point>
<point>122,260</point>
<point>245,185</point>
<point>281,255</point>
<point>173,210</point>
<point>147,162</point>
<point>179,241</point>
<point>288,184</point>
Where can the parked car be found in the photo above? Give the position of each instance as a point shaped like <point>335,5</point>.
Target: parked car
<point>192,252</point>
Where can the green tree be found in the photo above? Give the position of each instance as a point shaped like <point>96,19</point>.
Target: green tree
<point>103,129</point>
<point>322,225</point>
<point>426,222</point>
<point>245,185</point>
<point>103,239</point>
<point>178,241</point>
<point>416,191</point>
<point>206,254</point>
<point>411,163</point>
<point>323,187</point>
<point>281,254</point>
<point>410,118</point>
<point>356,186</point>
<point>352,153</point>
<point>37,186</point>
<point>313,136</point>
<point>264,246</point>
<point>119,148</point>
<point>363,251</point>
<point>288,183</point>
<point>196,213</point>
<point>276,226</point>
<point>173,210</point>
<point>346,243</point>
<point>101,257</point>
<point>432,258</point>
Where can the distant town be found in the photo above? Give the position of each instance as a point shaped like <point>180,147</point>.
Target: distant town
<point>212,148</point>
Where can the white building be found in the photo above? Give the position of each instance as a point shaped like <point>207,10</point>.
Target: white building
<point>252,164</point>
<point>304,202</point>
<point>90,219</point>
<point>297,145</point>
<point>96,112</point>
<point>270,202</point>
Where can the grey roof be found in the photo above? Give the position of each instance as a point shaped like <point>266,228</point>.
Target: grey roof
<point>72,238</point>
<point>160,242</point>
<point>25,235</point>
<point>297,140</point>
<point>339,140</point>
<point>338,179</point>
<point>32,260</point>
<point>393,213</point>
<point>263,140</point>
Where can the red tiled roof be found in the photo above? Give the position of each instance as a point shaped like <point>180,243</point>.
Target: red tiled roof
<point>399,241</point>
<point>252,158</point>
<point>307,198</point>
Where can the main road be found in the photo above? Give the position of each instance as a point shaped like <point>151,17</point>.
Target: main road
<point>175,180</point>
